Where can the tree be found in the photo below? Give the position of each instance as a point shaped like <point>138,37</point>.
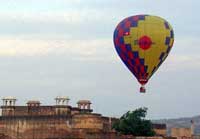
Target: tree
<point>134,123</point>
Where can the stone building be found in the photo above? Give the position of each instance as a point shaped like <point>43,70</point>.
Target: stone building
<point>181,133</point>
<point>59,121</point>
<point>184,133</point>
<point>160,129</point>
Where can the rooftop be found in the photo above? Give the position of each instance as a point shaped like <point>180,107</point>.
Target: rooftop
<point>84,102</point>
<point>9,98</point>
<point>33,102</point>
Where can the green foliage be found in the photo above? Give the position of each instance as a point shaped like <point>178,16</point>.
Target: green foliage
<point>133,123</point>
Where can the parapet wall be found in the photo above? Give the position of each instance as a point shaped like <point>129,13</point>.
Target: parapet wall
<point>40,110</point>
<point>37,127</point>
<point>87,121</point>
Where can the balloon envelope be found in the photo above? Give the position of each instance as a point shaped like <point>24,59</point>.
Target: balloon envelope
<point>143,42</point>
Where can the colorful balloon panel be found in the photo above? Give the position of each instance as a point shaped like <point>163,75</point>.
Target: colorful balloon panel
<point>143,42</point>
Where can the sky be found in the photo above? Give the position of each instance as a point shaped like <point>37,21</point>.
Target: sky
<point>65,48</point>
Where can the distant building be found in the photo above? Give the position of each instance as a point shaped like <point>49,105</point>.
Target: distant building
<point>184,133</point>
<point>160,129</point>
<point>181,133</point>
<point>59,121</point>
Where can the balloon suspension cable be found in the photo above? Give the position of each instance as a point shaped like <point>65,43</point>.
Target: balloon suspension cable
<point>142,89</point>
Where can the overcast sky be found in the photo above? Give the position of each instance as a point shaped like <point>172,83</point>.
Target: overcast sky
<point>52,48</point>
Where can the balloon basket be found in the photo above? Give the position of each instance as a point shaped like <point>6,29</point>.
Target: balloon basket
<point>142,89</point>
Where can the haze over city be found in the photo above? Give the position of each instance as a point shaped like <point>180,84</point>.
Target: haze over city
<point>65,48</point>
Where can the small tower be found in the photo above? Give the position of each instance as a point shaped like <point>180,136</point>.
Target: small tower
<point>8,106</point>
<point>33,103</point>
<point>84,105</point>
<point>33,107</point>
<point>62,100</point>
<point>9,101</point>
<point>62,106</point>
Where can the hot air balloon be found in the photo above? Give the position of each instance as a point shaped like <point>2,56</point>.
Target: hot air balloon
<point>143,42</point>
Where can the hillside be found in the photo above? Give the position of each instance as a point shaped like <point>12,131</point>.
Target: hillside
<point>181,122</point>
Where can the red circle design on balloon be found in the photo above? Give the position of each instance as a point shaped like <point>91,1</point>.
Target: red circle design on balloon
<point>145,42</point>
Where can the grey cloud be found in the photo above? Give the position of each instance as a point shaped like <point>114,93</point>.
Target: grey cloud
<point>99,18</point>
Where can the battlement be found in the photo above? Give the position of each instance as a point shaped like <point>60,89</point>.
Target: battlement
<point>34,108</point>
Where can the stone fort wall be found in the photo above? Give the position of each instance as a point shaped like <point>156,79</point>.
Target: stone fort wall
<point>59,121</point>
